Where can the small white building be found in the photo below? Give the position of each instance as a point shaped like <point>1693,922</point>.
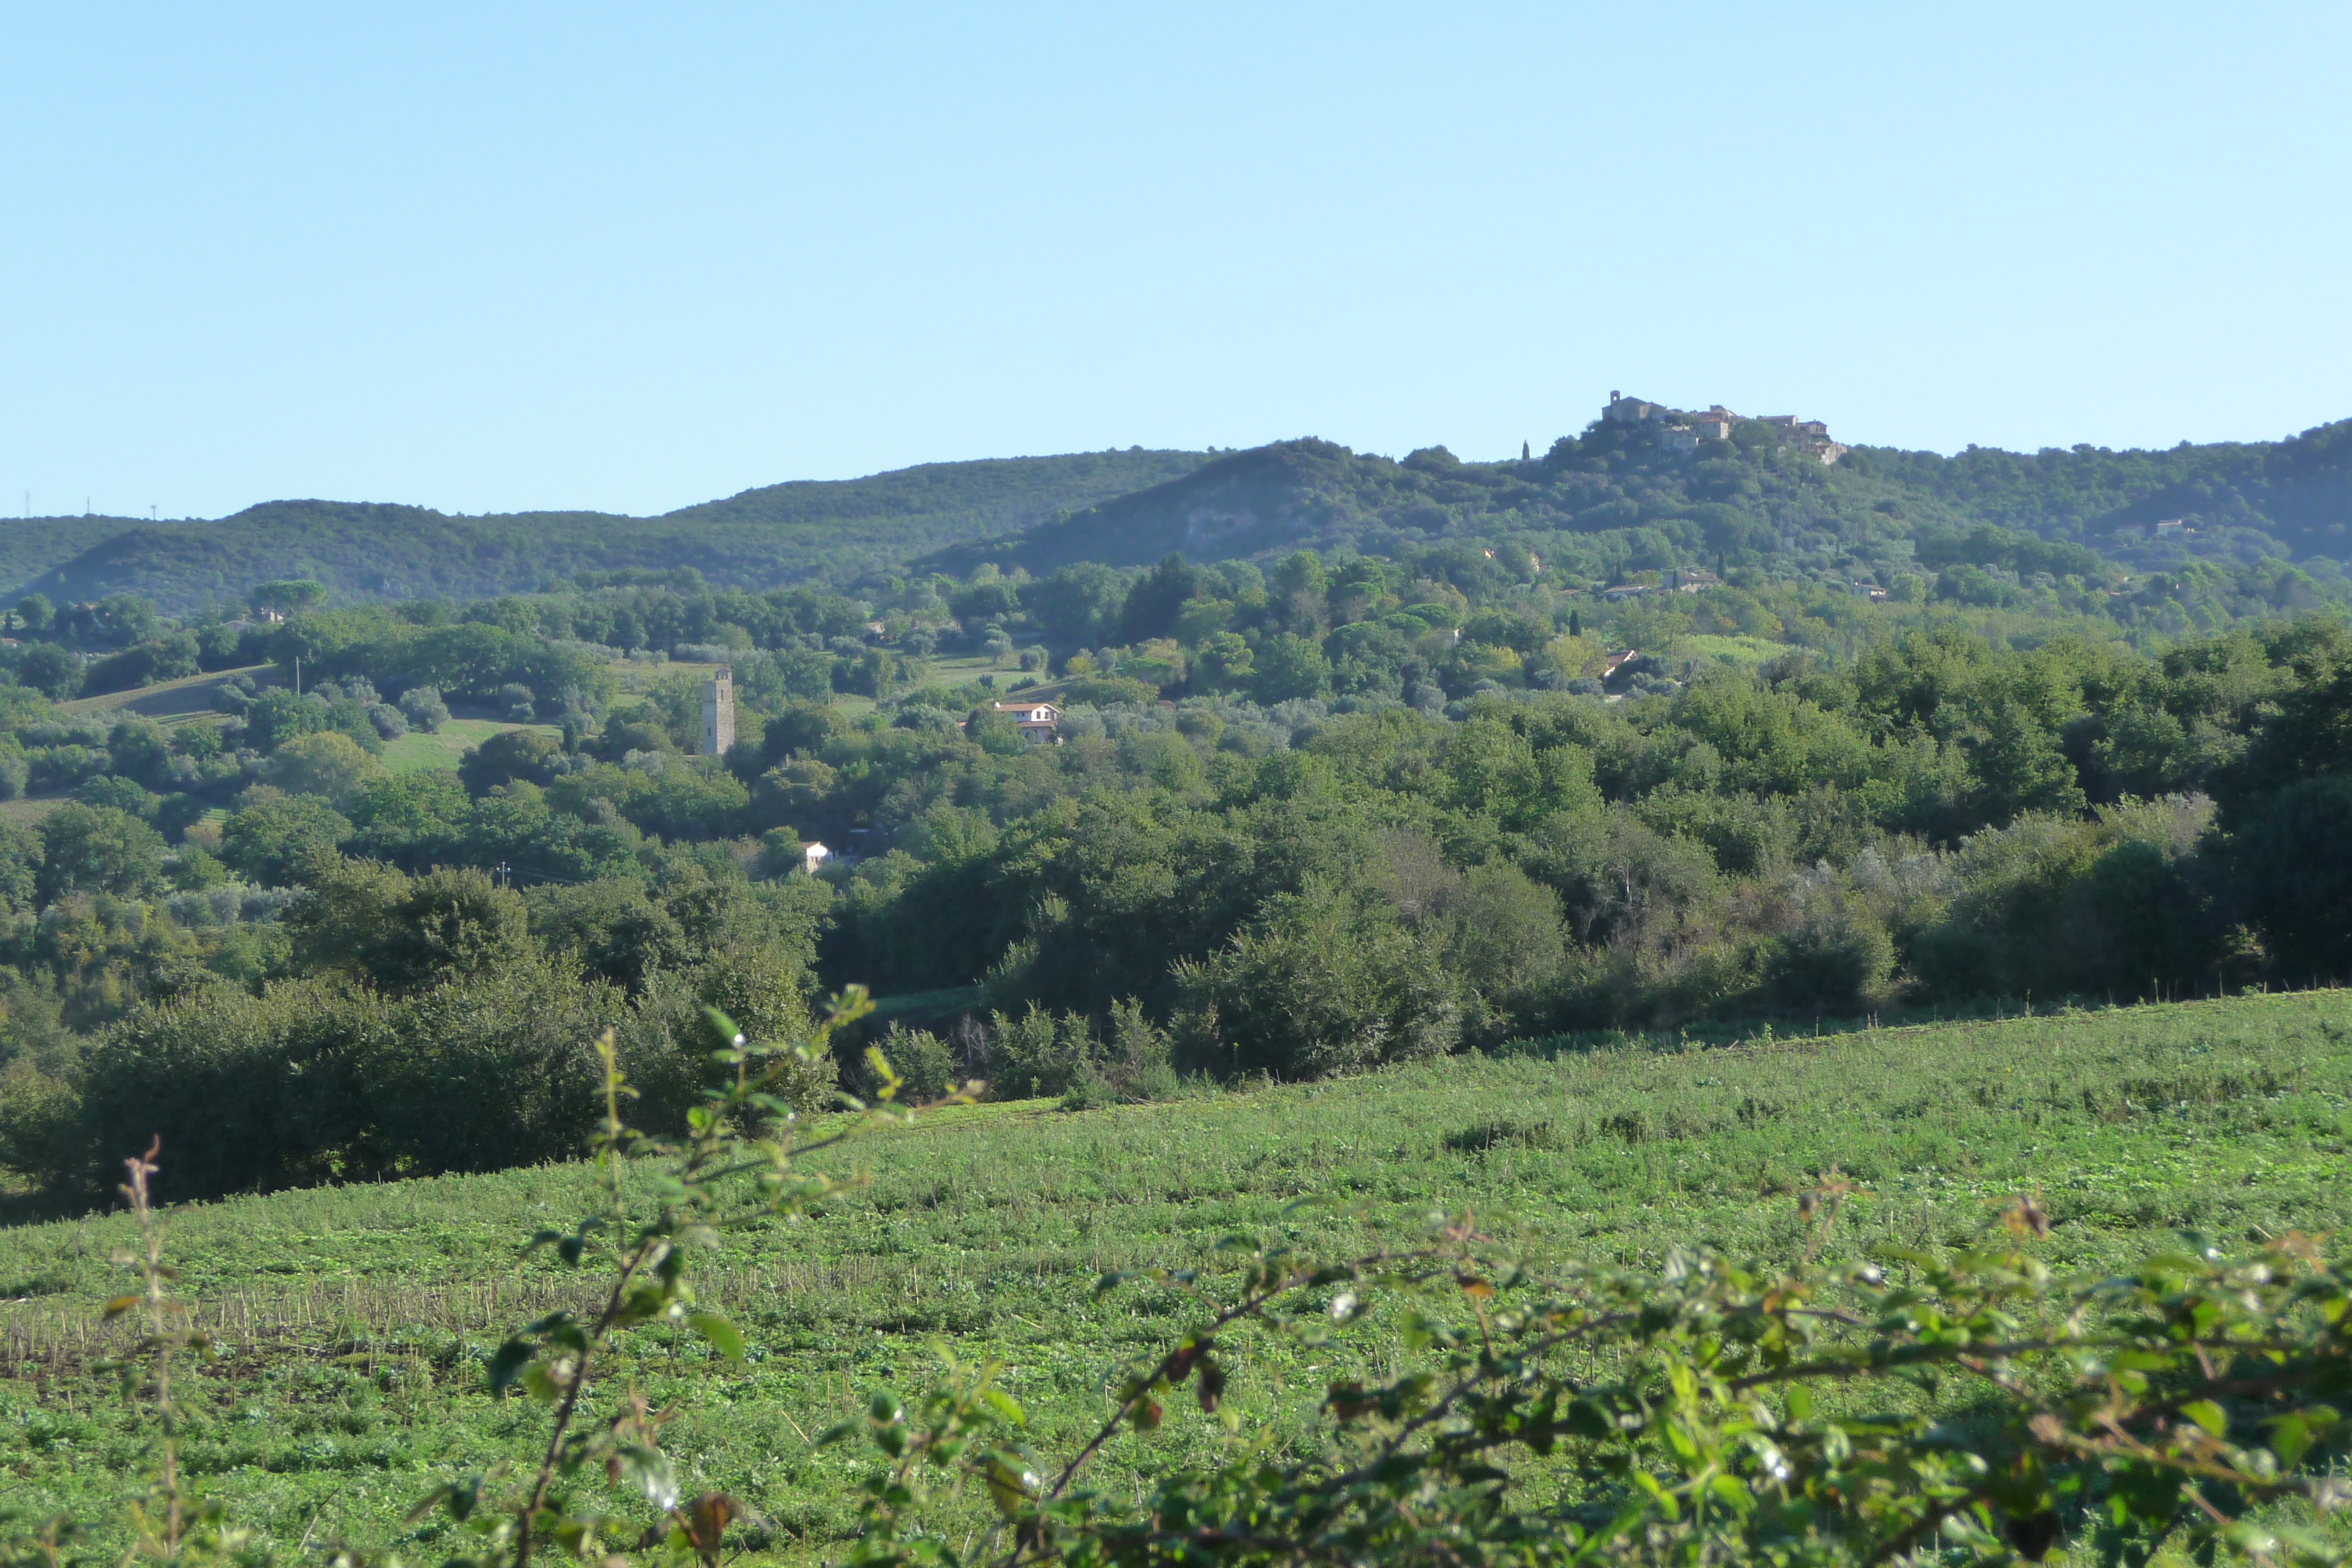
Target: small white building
<point>1039,723</point>
<point>814,856</point>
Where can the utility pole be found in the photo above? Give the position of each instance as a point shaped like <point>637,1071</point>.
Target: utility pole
<point>504,870</point>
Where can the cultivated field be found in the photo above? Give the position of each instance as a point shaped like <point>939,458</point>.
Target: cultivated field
<point>354,1321</point>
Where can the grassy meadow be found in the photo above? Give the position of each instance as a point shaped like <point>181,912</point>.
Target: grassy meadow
<point>422,750</point>
<point>353,1321</point>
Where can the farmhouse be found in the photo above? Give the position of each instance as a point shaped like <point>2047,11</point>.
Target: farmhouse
<point>1038,721</point>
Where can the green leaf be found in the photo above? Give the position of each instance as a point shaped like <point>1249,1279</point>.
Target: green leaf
<point>724,1337</point>
<point>1012,1484</point>
<point>648,1471</point>
<point>508,1365</point>
<point>2290,1440</point>
<point>2207,1415</point>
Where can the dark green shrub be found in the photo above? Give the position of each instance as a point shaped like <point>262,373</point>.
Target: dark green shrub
<point>1038,1055</point>
<point>1317,985</point>
<point>50,670</point>
<point>98,849</point>
<point>281,842</point>
<point>423,708</point>
<point>1837,961</point>
<point>509,756</point>
<point>402,933</point>
<point>926,1064</point>
<point>249,1092</point>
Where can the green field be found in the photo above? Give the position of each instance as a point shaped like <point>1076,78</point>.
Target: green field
<point>190,696</point>
<point>420,750</point>
<point>27,813</point>
<point>355,1321</point>
<point>946,670</point>
<point>1738,650</point>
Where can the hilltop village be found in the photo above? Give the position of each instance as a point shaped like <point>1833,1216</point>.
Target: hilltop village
<point>1682,430</point>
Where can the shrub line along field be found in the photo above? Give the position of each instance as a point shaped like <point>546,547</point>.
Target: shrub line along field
<point>355,1320</point>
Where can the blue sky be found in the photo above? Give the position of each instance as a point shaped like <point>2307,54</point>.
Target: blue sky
<point>630,257</point>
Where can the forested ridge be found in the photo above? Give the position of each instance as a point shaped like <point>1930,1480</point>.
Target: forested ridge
<point>1598,503</point>
<point>362,550</point>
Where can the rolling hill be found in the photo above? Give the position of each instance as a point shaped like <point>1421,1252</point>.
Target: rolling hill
<point>779,534</point>
<point>2239,502</point>
<point>1598,501</point>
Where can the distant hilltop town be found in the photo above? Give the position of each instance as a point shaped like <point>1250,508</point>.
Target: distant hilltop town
<point>1682,430</point>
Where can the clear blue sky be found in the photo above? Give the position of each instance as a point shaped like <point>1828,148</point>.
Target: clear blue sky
<point>630,257</point>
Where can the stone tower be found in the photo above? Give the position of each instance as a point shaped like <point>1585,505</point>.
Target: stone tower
<point>718,714</point>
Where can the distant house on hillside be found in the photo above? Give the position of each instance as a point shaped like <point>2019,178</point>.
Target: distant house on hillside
<point>814,857</point>
<point>1038,721</point>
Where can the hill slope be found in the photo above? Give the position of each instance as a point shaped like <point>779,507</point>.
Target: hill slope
<point>2298,492</point>
<point>1597,502</point>
<point>762,537</point>
<point>2291,500</point>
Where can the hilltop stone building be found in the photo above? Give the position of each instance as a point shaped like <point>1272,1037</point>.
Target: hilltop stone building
<point>1678,430</point>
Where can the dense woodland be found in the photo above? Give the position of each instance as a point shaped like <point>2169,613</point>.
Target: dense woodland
<point>1300,817</point>
<point>833,531</point>
<point>2265,520</point>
